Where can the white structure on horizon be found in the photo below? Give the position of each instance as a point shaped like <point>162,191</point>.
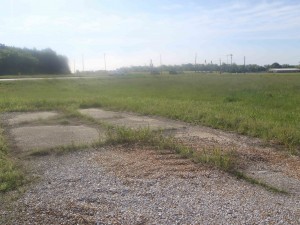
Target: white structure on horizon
<point>285,70</point>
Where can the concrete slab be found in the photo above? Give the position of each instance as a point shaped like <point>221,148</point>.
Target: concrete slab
<point>136,122</point>
<point>29,117</point>
<point>277,179</point>
<point>131,121</point>
<point>37,137</point>
<point>100,114</point>
<point>194,132</point>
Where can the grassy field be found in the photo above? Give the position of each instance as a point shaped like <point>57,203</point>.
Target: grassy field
<point>259,105</point>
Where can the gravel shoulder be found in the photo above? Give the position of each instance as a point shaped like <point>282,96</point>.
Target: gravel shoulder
<point>138,185</point>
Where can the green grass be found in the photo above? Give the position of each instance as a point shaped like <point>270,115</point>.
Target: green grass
<point>259,105</point>
<point>224,161</point>
<point>10,175</point>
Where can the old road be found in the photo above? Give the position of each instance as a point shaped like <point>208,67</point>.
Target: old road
<point>134,184</point>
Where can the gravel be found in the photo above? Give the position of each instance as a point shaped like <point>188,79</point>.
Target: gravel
<point>137,185</point>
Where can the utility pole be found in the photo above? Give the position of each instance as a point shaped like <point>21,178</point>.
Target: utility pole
<point>104,62</point>
<point>74,66</point>
<point>151,66</point>
<point>82,63</point>
<point>230,58</point>
<point>244,64</point>
<point>220,65</point>
<point>196,63</point>
<point>160,64</point>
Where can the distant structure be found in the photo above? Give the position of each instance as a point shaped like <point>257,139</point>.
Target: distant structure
<point>151,64</point>
<point>285,70</point>
<point>152,69</point>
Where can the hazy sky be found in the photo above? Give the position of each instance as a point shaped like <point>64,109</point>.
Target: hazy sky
<point>131,32</point>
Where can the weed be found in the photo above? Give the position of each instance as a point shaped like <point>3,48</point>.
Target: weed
<point>120,135</point>
<point>225,161</point>
<point>10,175</point>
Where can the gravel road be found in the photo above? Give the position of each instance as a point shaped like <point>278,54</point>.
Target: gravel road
<point>138,185</point>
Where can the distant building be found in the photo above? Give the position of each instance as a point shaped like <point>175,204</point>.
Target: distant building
<point>285,70</point>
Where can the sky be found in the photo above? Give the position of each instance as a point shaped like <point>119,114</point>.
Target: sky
<point>133,32</point>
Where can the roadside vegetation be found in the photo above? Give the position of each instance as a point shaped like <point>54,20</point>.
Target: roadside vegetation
<point>10,176</point>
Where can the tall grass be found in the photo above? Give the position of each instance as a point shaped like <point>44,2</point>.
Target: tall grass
<point>10,175</point>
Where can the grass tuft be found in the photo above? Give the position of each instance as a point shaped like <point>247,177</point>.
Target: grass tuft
<point>225,161</point>
<point>10,175</point>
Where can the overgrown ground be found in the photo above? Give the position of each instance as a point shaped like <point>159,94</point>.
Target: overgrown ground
<point>260,105</point>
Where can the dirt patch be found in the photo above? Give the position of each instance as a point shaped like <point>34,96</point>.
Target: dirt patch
<point>140,122</point>
<point>138,162</point>
<point>200,133</point>
<point>100,114</point>
<point>38,137</point>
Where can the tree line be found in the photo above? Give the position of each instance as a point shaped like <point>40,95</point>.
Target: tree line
<point>223,68</point>
<point>20,61</point>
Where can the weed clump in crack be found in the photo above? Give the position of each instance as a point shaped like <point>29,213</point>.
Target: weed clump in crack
<point>223,160</point>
